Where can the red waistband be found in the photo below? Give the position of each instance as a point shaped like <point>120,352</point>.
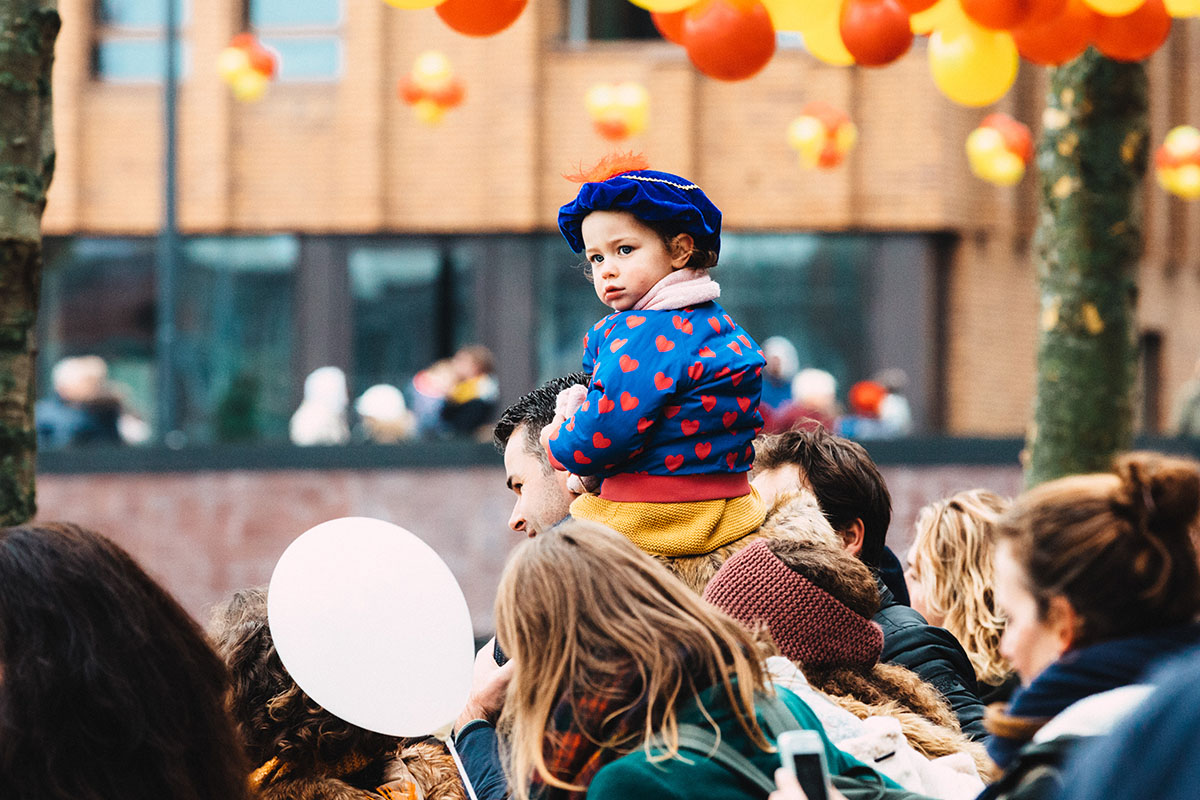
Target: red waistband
<point>674,488</point>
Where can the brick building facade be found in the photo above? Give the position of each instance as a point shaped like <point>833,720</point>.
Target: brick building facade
<point>345,157</point>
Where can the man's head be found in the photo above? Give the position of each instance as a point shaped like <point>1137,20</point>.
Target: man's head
<point>839,472</point>
<point>542,496</point>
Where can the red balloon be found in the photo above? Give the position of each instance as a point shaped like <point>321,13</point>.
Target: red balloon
<point>999,15</point>
<point>729,40</point>
<point>876,32</point>
<point>1135,36</point>
<point>1044,10</point>
<point>669,24</point>
<point>1060,39</point>
<point>480,17</point>
<point>917,6</point>
<point>1017,138</point>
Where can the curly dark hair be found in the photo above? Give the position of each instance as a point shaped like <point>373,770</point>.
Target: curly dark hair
<point>108,689</point>
<point>275,717</point>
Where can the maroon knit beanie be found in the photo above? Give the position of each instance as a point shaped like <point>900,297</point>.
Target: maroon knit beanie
<point>808,624</point>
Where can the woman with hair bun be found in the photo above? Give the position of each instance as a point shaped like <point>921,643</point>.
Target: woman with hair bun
<point>950,577</point>
<point>1098,579</point>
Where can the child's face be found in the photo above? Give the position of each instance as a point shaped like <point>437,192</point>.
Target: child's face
<point>626,257</point>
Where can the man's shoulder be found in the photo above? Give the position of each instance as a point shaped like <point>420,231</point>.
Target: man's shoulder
<point>909,640</point>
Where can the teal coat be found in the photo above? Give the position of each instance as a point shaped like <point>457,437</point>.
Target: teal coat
<point>633,776</point>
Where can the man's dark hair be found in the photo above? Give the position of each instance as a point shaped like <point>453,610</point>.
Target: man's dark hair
<point>842,475</point>
<point>535,411</point>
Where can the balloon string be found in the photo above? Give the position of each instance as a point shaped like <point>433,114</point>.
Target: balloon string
<point>462,771</point>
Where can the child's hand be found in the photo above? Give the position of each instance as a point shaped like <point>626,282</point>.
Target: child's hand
<point>548,431</point>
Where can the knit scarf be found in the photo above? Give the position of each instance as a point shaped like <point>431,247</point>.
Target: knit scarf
<point>683,287</point>
<point>1087,671</point>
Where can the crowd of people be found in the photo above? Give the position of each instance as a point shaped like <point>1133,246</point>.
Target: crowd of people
<point>691,590</point>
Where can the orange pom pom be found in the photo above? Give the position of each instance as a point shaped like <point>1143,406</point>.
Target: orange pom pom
<point>610,166</point>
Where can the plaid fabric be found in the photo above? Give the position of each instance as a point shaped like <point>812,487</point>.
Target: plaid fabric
<point>572,755</point>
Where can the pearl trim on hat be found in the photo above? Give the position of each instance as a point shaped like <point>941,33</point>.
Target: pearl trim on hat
<point>659,180</point>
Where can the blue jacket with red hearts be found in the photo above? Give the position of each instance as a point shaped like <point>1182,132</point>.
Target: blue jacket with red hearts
<point>673,393</point>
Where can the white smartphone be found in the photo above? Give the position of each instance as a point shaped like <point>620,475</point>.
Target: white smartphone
<point>803,753</point>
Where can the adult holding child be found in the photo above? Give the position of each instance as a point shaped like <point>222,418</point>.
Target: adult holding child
<point>1098,579</point>
<point>665,432</point>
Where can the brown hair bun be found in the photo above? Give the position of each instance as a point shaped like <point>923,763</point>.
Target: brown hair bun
<point>1163,488</point>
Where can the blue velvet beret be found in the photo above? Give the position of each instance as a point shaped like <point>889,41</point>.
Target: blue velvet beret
<point>651,196</point>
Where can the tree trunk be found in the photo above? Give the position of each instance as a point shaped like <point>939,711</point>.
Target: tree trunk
<point>28,29</point>
<point>1092,157</point>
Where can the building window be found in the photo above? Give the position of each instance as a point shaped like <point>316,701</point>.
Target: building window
<point>306,33</point>
<point>128,45</point>
<point>604,20</point>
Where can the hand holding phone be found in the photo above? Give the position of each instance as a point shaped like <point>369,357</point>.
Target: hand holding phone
<point>803,754</point>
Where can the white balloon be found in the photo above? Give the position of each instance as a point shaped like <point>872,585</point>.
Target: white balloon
<point>371,623</point>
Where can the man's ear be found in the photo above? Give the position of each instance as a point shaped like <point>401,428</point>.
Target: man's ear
<point>1064,621</point>
<point>681,249</point>
<point>852,537</point>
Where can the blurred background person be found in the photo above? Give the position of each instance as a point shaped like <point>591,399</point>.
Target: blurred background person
<point>384,414</point>
<point>83,408</point>
<point>894,410</point>
<point>813,404</point>
<point>782,365</point>
<point>321,417</point>
<point>950,575</point>
<point>471,403</point>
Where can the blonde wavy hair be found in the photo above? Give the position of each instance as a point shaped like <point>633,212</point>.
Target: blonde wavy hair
<point>587,615</point>
<point>952,559</point>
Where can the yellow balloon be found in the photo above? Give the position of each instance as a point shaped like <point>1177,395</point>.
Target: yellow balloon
<point>662,6</point>
<point>942,15</point>
<point>823,39</point>
<point>428,111</point>
<point>231,63</point>
<point>796,15</point>
<point>250,85</point>
<point>1183,8</point>
<point>1114,8</point>
<point>414,3</point>
<point>1187,182</point>
<point>974,66</point>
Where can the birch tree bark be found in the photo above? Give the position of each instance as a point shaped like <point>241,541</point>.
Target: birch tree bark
<point>28,29</point>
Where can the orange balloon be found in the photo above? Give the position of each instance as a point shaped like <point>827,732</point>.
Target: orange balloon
<point>876,32</point>
<point>480,17</point>
<point>917,6</point>
<point>999,15</point>
<point>1135,36</point>
<point>1060,39</point>
<point>669,24</point>
<point>729,40</point>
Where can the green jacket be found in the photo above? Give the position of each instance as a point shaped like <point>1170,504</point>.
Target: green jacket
<point>633,776</point>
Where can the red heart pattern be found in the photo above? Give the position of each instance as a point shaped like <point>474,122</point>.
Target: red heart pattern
<point>599,442</point>
<point>633,322</point>
<point>628,401</point>
<point>674,462</point>
<point>731,459</point>
<point>696,371</point>
<point>617,344</point>
<point>580,458</point>
<point>736,378</point>
<point>662,382</point>
<point>715,323</point>
<point>664,344</point>
<point>643,424</point>
<point>604,405</point>
<point>706,352</point>
<point>728,418</point>
<point>682,324</point>
<point>735,347</point>
<point>744,403</point>
<point>689,426</point>
<point>708,401</point>
<point>671,411</point>
<point>628,364</point>
<point>703,449</point>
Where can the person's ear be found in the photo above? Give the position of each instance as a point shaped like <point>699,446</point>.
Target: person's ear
<point>852,537</point>
<point>1064,621</point>
<point>681,249</point>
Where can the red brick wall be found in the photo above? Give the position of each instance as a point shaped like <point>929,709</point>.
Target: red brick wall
<point>206,534</point>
